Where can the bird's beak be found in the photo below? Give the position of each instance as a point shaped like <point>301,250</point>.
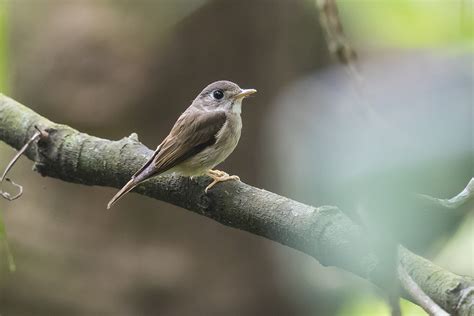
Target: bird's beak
<point>244,93</point>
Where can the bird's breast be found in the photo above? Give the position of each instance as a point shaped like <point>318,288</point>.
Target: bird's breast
<point>231,128</point>
<point>229,135</point>
<point>226,141</point>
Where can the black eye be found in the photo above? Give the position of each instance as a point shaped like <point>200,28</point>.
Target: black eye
<point>218,94</point>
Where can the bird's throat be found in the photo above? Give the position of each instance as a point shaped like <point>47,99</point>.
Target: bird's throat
<point>237,106</point>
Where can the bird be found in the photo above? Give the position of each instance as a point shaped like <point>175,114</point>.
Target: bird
<point>205,134</point>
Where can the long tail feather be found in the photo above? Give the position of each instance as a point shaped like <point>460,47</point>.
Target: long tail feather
<point>145,172</point>
<point>126,188</point>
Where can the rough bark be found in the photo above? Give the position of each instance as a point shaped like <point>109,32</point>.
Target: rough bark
<point>324,232</point>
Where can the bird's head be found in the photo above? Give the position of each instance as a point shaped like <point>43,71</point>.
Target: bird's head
<point>222,95</point>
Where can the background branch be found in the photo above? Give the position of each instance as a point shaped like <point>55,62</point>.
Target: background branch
<point>338,43</point>
<point>456,201</point>
<point>324,233</point>
<point>417,294</point>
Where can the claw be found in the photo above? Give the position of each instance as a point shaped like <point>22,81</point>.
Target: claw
<point>219,176</point>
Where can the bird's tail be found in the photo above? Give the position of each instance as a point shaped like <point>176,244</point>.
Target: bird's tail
<point>126,188</point>
<point>144,173</point>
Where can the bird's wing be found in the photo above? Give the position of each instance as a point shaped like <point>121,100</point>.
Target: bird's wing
<point>146,164</point>
<point>192,133</point>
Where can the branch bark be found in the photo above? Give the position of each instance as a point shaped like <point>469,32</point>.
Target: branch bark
<point>324,232</point>
<point>416,293</point>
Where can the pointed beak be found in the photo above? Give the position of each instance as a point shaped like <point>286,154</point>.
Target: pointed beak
<point>244,93</point>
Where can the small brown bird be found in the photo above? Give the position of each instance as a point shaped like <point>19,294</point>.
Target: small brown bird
<point>202,137</point>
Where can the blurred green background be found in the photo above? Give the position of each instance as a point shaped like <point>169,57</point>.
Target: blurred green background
<point>110,68</point>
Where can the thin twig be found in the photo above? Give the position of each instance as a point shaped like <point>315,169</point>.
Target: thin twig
<point>456,201</point>
<point>418,295</point>
<point>338,44</point>
<point>6,195</point>
<point>394,303</point>
<point>340,47</point>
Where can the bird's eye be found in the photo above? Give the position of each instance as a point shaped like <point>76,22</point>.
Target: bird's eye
<point>217,94</point>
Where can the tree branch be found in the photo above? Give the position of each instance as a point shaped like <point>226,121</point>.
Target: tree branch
<point>463,197</point>
<point>324,232</point>
<point>416,293</point>
<point>338,44</point>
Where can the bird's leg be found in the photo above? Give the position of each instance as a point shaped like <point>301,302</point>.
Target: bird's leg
<point>219,176</point>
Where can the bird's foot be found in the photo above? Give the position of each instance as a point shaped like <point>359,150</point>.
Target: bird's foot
<point>219,176</point>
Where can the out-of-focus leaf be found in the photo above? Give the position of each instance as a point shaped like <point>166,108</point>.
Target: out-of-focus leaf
<point>409,23</point>
<point>369,306</point>
<point>458,253</point>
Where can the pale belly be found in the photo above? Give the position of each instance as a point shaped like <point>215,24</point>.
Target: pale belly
<point>227,140</point>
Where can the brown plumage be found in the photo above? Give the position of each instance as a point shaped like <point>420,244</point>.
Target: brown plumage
<point>202,137</point>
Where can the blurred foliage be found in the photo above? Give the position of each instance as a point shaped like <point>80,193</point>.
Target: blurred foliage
<point>409,23</point>
<point>4,47</point>
<point>458,253</point>
<point>370,306</point>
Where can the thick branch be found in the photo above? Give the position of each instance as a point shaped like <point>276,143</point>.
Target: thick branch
<point>324,233</point>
